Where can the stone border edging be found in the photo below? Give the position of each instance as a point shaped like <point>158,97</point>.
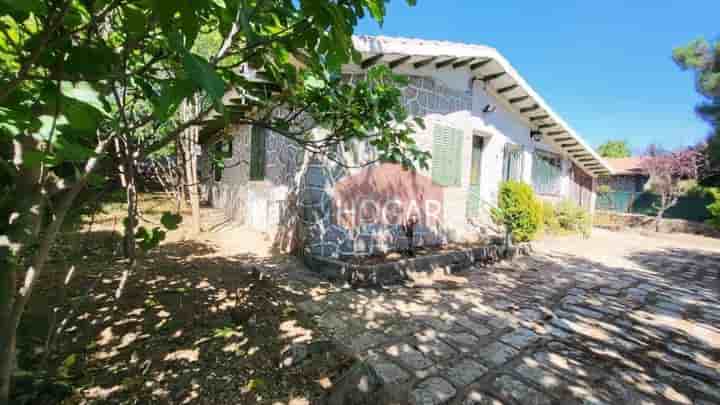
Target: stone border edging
<point>395,272</point>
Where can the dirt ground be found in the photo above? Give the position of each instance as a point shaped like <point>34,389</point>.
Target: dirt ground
<point>195,323</point>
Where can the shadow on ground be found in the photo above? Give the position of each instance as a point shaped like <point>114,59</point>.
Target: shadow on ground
<point>190,326</point>
<point>557,328</point>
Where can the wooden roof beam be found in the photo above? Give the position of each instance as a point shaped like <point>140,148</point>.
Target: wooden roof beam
<point>539,118</point>
<point>444,63</point>
<point>562,139</point>
<point>567,145</point>
<point>508,88</point>
<point>370,61</point>
<point>462,63</point>
<point>529,109</point>
<point>518,99</point>
<point>545,126</point>
<point>399,61</point>
<point>492,76</point>
<point>478,65</point>
<point>424,62</point>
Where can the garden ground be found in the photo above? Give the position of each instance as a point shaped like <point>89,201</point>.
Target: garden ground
<point>617,318</point>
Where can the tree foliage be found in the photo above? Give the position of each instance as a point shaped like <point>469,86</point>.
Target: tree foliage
<point>614,149</point>
<point>702,57</point>
<point>84,77</point>
<point>666,171</point>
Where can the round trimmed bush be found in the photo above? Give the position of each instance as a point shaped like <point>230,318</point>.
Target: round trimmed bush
<point>519,210</point>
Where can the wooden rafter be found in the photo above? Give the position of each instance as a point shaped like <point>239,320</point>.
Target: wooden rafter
<point>424,62</point>
<point>444,63</point>
<point>478,65</point>
<point>462,63</point>
<point>492,76</point>
<point>399,61</point>
<point>370,61</point>
<point>539,118</point>
<point>529,109</point>
<point>518,99</point>
<point>507,88</point>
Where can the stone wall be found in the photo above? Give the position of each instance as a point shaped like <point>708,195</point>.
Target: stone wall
<point>619,221</point>
<point>425,95</point>
<point>264,205</point>
<point>258,203</point>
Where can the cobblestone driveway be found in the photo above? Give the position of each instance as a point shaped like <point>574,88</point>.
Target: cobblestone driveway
<point>616,319</point>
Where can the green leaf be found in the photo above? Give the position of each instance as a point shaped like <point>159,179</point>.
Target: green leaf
<point>67,150</point>
<point>377,10</point>
<point>204,75</point>
<point>46,126</point>
<point>66,366</point>
<point>85,93</point>
<point>135,21</point>
<point>313,82</point>
<point>170,221</point>
<point>172,94</point>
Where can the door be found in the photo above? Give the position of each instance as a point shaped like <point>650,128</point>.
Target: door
<point>474,199</point>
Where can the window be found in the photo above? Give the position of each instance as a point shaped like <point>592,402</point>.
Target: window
<point>257,153</point>
<point>476,162</point>
<point>512,162</point>
<point>447,156</point>
<point>546,173</point>
<point>223,150</point>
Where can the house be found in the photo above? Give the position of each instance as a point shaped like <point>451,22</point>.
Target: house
<point>484,124</point>
<point>629,175</point>
<point>628,181</point>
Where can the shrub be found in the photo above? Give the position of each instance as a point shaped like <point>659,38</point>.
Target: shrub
<point>714,209</point>
<point>519,210</point>
<point>550,220</point>
<point>573,218</point>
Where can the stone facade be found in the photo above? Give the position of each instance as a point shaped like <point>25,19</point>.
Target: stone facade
<point>425,95</point>
<point>299,189</point>
<point>259,203</point>
<point>263,204</point>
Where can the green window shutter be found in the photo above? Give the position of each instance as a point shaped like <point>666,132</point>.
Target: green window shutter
<point>447,156</point>
<point>257,153</point>
<point>456,158</point>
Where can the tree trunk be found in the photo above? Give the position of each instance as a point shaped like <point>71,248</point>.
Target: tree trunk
<point>190,138</point>
<point>128,180</point>
<point>7,337</point>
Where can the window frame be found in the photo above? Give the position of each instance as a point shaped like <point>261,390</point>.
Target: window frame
<point>258,153</point>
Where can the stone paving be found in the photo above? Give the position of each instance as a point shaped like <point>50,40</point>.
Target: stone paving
<point>615,319</point>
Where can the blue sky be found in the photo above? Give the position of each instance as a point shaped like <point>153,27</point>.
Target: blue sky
<point>604,66</point>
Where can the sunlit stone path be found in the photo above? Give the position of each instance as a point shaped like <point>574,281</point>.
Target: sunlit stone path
<point>614,319</point>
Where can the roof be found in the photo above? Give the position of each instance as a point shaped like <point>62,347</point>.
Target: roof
<point>486,64</point>
<point>628,165</point>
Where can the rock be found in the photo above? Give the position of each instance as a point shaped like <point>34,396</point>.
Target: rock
<point>358,386</point>
<point>433,391</point>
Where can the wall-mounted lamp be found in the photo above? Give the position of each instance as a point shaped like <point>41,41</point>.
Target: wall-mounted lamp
<point>536,135</point>
<point>489,108</point>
